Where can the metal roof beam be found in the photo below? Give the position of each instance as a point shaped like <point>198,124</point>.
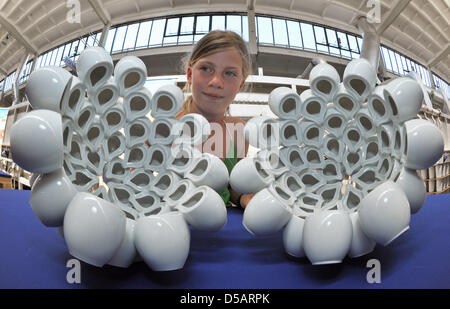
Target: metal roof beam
<point>443,53</point>
<point>251,4</point>
<point>394,13</point>
<point>22,40</point>
<point>101,11</point>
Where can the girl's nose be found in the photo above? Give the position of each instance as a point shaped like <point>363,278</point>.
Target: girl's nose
<point>216,81</point>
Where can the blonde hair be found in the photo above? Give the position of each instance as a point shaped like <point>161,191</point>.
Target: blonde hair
<point>214,42</point>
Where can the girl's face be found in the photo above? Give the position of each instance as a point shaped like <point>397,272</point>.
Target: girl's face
<point>215,80</point>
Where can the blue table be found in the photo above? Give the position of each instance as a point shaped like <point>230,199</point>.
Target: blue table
<point>35,256</point>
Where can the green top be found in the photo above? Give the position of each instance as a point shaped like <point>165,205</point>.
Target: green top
<point>230,162</point>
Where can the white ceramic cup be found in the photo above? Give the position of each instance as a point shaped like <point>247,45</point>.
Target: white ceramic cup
<point>77,95</point>
<point>136,156</point>
<point>248,176</point>
<point>262,132</point>
<point>333,147</point>
<point>51,210</point>
<point>285,103</point>
<point>204,209</point>
<point>130,74</point>
<point>291,182</point>
<point>146,202</point>
<point>327,236</point>
<point>157,158</point>
<point>181,157</point>
<point>405,97</point>
<point>361,244</point>
<point>113,119</point>
<point>265,214</point>
<point>113,146</point>
<point>68,128</point>
<point>293,237</point>
<point>116,170</point>
<point>371,150</point>
<point>352,161</point>
<point>365,123</point>
<point>94,67</point>
<point>294,158</point>
<point>84,180</point>
<point>139,180</point>
<point>104,97</point>
<point>314,157</point>
<point>163,240</point>
<point>378,106</point>
<point>422,134</point>
<point>414,188</point>
<point>137,131</point>
<point>167,101</point>
<point>126,253</point>
<point>313,106</point>
<point>137,104</point>
<point>208,170</point>
<point>368,178</point>
<point>353,138</point>
<point>324,81</point>
<point>272,161</point>
<point>331,195</point>
<point>163,182</point>
<point>359,78</point>
<point>312,133</point>
<point>290,133</point>
<point>345,102</point>
<point>120,194</point>
<point>178,191</point>
<point>93,229</point>
<point>48,88</point>
<point>334,122</point>
<point>163,131</point>
<point>85,118</point>
<point>37,141</point>
<point>95,134</point>
<point>311,180</point>
<point>385,213</point>
<point>332,171</point>
<point>192,129</point>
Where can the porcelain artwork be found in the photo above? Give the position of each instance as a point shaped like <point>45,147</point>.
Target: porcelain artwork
<point>57,185</point>
<point>117,198</point>
<point>327,236</point>
<point>37,141</point>
<point>40,81</point>
<point>293,237</point>
<point>163,240</point>
<point>384,213</point>
<point>204,209</point>
<point>266,214</point>
<point>93,229</point>
<point>354,163</point>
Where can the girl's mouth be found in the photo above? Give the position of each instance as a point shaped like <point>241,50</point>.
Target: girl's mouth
<point>212,96</point>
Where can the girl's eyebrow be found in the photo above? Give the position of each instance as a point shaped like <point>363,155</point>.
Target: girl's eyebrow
<point>214,65</point>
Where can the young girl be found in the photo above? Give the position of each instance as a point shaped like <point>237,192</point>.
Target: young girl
<point>216,71</point>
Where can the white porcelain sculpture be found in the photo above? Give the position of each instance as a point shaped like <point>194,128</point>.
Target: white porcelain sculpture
<point>337,169</point>
<point>120,186</point>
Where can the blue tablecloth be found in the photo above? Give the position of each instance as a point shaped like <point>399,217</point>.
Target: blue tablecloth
<point>35,256</point>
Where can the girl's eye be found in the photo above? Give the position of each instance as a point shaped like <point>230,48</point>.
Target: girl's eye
<point>206,69</point>
<point>230,74</point>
